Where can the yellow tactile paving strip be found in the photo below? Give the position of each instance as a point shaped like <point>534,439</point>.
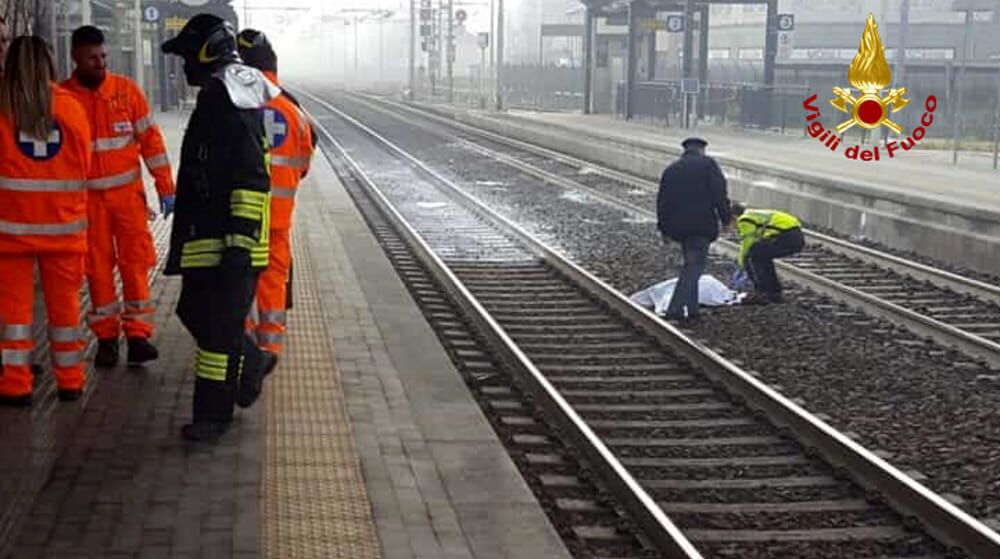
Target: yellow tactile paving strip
<point>314,498</point>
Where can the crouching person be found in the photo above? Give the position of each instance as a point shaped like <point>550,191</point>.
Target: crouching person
<point>764,236</point>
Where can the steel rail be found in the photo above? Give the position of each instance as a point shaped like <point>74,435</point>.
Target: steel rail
<point>656,526</point>
<point>924,325</point>
<point>939,517</point>
<point>919,270</point>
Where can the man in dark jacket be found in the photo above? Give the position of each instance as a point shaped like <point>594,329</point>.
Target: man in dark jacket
<point>219,241</point>
<point>691,204</point>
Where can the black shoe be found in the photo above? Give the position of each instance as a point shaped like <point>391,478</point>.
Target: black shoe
<point>107,353</point>
<point>16,401</point>
<point>66,395</point>
<point>204,431</point>
<point>140,351</point>
<point>252,382</point>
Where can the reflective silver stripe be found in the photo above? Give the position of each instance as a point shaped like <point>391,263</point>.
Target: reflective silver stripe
<point>64,334</point>
<point>40,185</point>
<point>274,317</point>
<point>157,161</point>
<point>20,357</point>
<point>100,313</point>
<point>293,162</point>
<point>282,192</point>
<point>142,124</point>
<point>137,305</point>
<point>111,144</point>
<point>14,228</point>
<point>120,179</point>
<point>15,332</point>
<point>270,337</point>
<point>67,358</point>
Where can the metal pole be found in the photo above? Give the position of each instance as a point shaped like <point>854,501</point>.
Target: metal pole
<point>140,73</point>
<point>499,55</point>
<point>771,42</point>
<point>381,52</point>
<point>996,127</point>
<point>413,46</point>
<point>356,49</point>
<point>956,128</point>
<point>632,58</point>
<point>904,31</point>
<point>688,48</point>
<point>588,62</point>
<point>449,52</point>
<point>85,17</point>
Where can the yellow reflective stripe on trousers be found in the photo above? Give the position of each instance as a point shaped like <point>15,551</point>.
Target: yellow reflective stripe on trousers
<point>210,365</point>
<point>121,179</point>
<point>40,185</point>
<point>16,332</point>
<point>45,229</point>
<point>241,241</point>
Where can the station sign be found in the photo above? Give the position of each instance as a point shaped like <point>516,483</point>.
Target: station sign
<point>690,85</point>
<point>484,40</point>
<point>151,14</point>
<point>653,25</point>
<point>786,22</point>
<point>675,24</point>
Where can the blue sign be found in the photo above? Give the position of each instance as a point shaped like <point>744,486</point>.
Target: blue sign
<point>151,14</point>
<point>275,126</point>
<point>40,150</point>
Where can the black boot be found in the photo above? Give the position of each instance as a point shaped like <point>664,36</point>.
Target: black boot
<point>69,395</point>
<point>16,401</point>
<point>204,431</point>
<point>141,350</point>
<point>107,353</point>
<point>252,382</point>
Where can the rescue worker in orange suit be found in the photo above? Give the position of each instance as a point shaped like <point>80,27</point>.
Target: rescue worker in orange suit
<point>219,241</point>
<point>290,136</point>
<point>45,142</point>
<point>118,235</point>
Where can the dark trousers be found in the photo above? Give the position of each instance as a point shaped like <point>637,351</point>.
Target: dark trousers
<point>695,250</point>
<point>213,306</point>
<point>760,259</point>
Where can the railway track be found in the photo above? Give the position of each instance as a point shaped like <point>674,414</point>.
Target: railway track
<point>952,309</point>
<point>696,450</point>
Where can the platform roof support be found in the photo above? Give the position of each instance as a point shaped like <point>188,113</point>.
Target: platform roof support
<point>632,48</point>
<point>588,60</point>
<point>771,42</point>
<point>688,49</point>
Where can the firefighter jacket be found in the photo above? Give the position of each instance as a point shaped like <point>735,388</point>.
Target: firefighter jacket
<point>223,186</point>
<point>122,129</point>
<point>43,198</point>
<point>290,137</point>
<point>754,225</point>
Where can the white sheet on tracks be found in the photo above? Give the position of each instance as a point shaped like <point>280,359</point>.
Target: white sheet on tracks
<point>711,293</point>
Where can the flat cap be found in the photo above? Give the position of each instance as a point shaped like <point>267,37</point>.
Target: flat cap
<point>693,142</point>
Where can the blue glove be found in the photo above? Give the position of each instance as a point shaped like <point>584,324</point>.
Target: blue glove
<point>739,280</point>
<point>167,205</point>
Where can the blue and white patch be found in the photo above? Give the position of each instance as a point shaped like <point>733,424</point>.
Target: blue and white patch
<point>124,127</point>
<point>41,150</point>
<point>275,126</point>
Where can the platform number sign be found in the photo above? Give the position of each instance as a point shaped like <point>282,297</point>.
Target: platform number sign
<point>40,150</point>
<point>151,14</point>
<point>460,16</point>
<point>786,22</point>
<point>675,24</point>
<point>276,127</point>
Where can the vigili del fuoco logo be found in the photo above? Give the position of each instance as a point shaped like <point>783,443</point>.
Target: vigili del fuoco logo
<point>870,74</point>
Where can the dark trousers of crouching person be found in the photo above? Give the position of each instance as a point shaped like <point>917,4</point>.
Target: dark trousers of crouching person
<point>760,260</point>
<point>684,302</point>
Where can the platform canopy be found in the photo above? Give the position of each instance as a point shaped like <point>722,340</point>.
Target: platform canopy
<point>621,6</point>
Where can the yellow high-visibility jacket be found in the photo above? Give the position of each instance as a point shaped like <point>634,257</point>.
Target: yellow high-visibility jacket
<point>755,225</point>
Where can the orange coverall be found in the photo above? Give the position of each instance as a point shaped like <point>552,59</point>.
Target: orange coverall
<point>43,218</point>
<point>123,129</point>
<point>290,138</point>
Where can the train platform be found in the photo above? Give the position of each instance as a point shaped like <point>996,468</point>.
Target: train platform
<point>365,444</point>
<point>917,173</point>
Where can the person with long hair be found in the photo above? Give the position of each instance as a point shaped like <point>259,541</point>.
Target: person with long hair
<point>45,154</point>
